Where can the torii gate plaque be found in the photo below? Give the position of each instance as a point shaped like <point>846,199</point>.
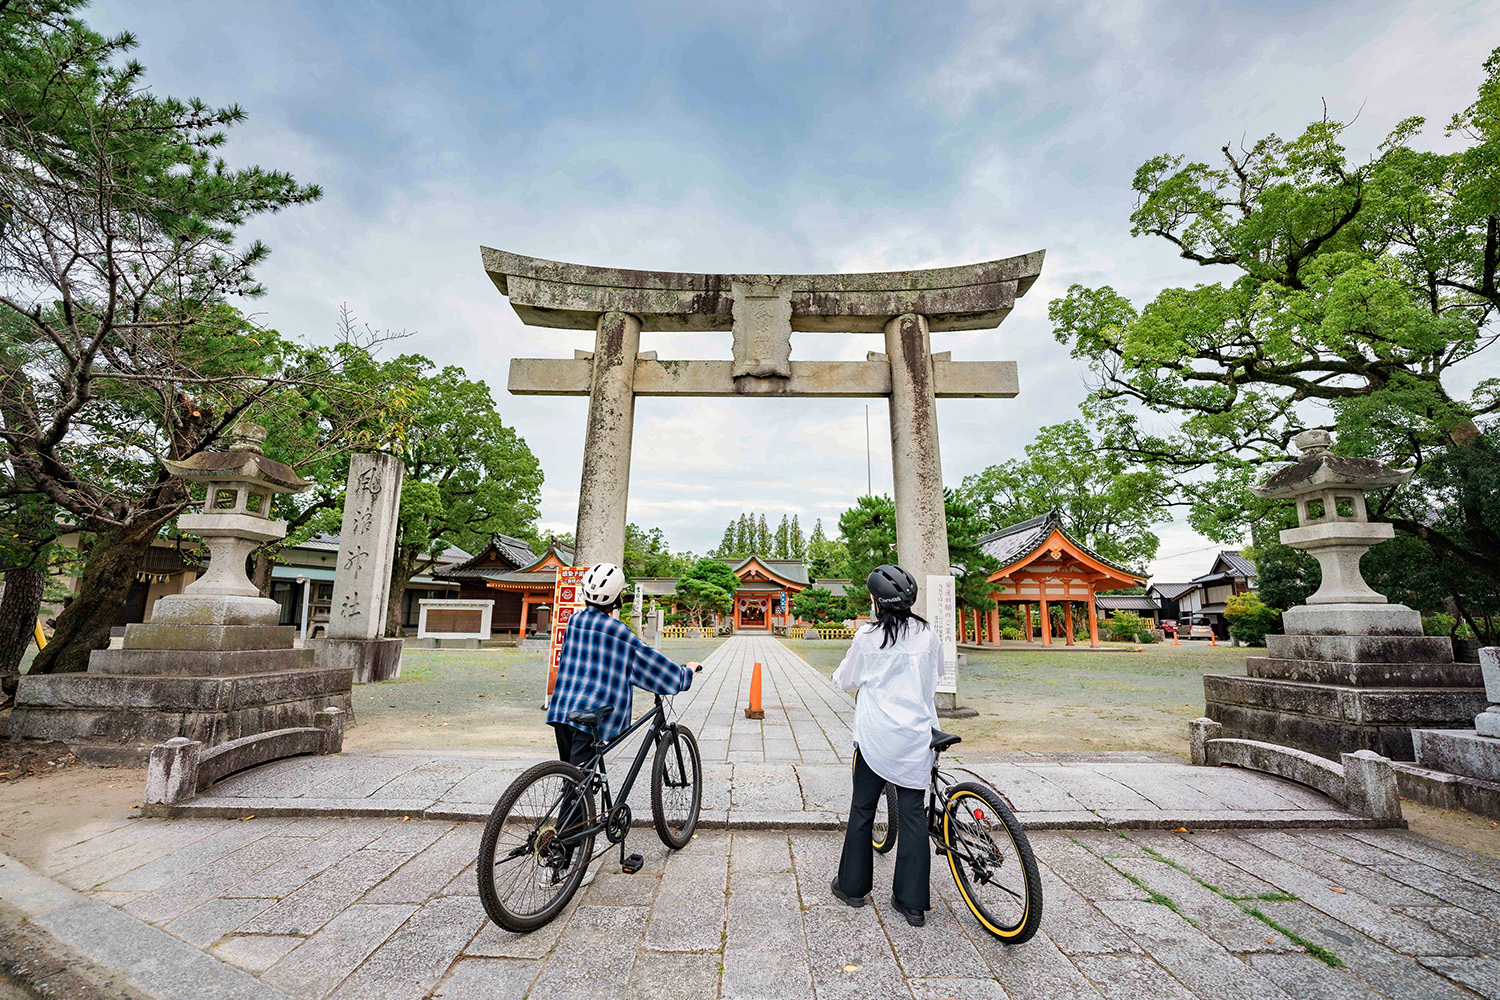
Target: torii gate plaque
<point>762,310</point>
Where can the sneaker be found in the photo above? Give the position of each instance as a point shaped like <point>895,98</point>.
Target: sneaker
<point>916,918</point>
<point>855,901</point>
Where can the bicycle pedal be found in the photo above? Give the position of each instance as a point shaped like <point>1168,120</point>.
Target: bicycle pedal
<point>632,864</point>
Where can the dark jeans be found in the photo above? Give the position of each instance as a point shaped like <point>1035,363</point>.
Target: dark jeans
<point>910,887</point>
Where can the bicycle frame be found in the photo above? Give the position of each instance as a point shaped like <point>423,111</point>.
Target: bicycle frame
<point>597,777</point>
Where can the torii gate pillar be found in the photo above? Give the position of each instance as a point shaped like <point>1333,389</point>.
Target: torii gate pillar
<point>605,487</point>
<point>916,464</point>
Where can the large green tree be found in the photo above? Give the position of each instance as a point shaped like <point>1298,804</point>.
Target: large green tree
<point>1354,287</point>
<point>707,589</point>
<point>1105,502</point>
<point>868,531</point>
<point>469,475</point>
<point>118,256</point>
<point>648,554</point>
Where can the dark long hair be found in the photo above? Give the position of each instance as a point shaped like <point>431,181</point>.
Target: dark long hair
<point>893,623</point>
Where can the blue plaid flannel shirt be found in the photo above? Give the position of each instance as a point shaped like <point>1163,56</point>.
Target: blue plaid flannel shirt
<point>601,660</point>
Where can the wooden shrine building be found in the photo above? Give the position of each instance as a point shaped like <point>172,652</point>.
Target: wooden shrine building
<point>514,577</point>
<point>1041,564</point>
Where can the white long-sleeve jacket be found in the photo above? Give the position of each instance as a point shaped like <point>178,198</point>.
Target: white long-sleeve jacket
<point>895,714</point>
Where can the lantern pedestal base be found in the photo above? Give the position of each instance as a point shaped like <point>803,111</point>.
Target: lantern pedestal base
<point>131,699</point>
<point>1352,619</point>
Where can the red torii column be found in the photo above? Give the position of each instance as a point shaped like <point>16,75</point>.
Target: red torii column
<point>1046,621</point>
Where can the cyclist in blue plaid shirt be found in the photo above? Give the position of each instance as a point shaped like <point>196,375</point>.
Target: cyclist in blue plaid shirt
<point>601,660</point>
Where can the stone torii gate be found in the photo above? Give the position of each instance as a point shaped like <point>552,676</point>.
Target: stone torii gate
<point>762,311</point>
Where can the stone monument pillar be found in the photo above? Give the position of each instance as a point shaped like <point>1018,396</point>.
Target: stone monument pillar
<point>214,663</point>
<point>1353,671</point>
<point>362,577</point>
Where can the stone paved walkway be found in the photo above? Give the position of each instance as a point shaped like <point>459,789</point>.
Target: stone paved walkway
<point>787,771</point>
<point>807,719</point>
<point>312,908</point>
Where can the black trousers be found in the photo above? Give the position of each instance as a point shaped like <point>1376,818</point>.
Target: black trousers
<point>573,744</point>
<point>911,885</point>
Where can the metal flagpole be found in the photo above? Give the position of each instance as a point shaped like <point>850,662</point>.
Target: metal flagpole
<point>869,482</point>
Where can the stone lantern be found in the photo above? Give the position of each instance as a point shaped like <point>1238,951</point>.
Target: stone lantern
<point>213,663</point>
<point>1334,527</point>
<point>1351,671</point>
<point>233,522</point>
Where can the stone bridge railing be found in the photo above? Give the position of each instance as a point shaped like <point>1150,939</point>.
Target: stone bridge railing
<point>180,768</point>
<point>1362,782</point>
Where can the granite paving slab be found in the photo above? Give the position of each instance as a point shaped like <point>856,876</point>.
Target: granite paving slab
<point>385,908</point>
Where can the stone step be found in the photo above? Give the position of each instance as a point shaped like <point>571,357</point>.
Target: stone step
<point>197,662</point>
<point>1448,791</point>
<point>1329,719</point>
<point>1366,675</point>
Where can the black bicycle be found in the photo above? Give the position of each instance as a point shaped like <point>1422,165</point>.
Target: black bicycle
<point>539,841</point>
<point>985,846</point>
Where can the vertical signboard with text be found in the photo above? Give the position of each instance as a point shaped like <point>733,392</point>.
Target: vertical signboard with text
<point>567,598</point>
<point>942,610</point>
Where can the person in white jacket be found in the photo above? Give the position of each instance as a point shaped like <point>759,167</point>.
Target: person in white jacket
<point>894,664</point>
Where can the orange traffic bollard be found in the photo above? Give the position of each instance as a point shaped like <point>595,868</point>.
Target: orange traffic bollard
<point>754,710</point>
<point>1213,640</point>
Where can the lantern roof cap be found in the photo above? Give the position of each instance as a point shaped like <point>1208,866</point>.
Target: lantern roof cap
<point>241,462</point>
<point>1319,469</point>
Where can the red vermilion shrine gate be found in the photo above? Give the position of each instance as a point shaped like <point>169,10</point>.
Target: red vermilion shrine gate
<point>1041,564</point>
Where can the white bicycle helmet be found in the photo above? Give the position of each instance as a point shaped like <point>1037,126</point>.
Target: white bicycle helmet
<point>603,583</point>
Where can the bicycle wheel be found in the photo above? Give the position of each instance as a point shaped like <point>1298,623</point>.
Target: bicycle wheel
<point>992,862</point>
<point>676,787</point>
<point>526,876</point>
<point>885,820</point>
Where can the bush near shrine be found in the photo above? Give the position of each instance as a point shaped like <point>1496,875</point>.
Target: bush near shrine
<point>1251,619</point>
<point>1125,626</point>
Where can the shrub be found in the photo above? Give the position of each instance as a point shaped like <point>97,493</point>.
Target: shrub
<point>1147,637</point>
<point>1124,626</point>
<point>1250,619</point>
<point>1010,632</point>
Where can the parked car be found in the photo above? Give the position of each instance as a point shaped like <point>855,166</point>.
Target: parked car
<point>1169,626</point>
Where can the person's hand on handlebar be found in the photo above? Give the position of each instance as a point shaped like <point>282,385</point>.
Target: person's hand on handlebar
<point>695,667</point>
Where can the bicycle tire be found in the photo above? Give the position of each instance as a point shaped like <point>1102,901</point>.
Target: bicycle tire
<point>494,904</point>
<point>884,834</point>
<point>1031,910</point>
<point>666,759</point>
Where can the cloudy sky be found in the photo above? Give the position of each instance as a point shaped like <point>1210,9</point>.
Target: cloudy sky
<point>764,136</point>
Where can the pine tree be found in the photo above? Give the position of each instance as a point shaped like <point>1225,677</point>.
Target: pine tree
<point>797,544</point>
<point>727,545</point>
<point>784,538</point>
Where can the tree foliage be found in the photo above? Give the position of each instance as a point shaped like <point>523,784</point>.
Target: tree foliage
<point>119,257</point>
<point>647,554</point>
<point>819,604</point>
<point>1355,288</point>
<point>468,475</point>
<point>1104,501</point>
<point>1250,620</point>
<point>707,589</point>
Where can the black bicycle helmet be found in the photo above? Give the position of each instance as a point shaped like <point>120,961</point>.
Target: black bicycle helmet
<point>892,588</point>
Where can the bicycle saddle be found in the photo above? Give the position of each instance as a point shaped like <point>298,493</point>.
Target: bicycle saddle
<point>942,741</point>
<point>590,719</point>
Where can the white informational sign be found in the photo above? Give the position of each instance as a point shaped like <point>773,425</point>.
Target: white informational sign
<point>942,613</point>
<point>640,607</point>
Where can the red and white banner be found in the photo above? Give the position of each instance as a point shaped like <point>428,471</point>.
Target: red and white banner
<point>566,599</point>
